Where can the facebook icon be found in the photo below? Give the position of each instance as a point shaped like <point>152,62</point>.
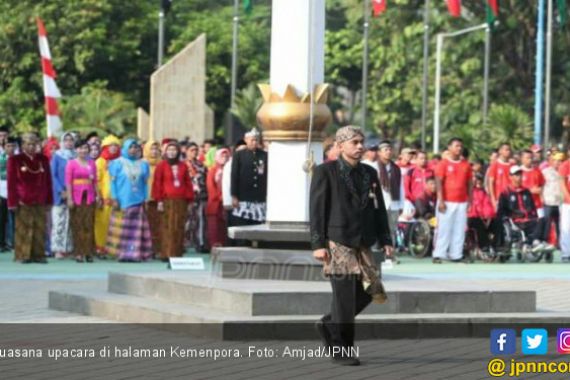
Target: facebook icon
<point>503,341</point>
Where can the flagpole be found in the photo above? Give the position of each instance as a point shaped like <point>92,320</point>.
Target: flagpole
<point>486,74</point>
<point>160,36</point>
<point>365,64</point>
<point>439,49</point>
<point>548,75</point>
<point>234,53</point>
<point>426,74</point>
<point>539,72</point>
<point>440,37</point>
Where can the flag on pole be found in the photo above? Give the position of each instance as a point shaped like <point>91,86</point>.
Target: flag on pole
<point>248,6</point>
<point>165,5</point>
<point>562,12</point>
<point>378,7</point>
<point>51,92</point>
<point>454,7</point>
<point>492,10</point>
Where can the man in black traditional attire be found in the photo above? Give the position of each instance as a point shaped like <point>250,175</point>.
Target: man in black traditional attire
<point>249,183</point>
<point>347,217</point>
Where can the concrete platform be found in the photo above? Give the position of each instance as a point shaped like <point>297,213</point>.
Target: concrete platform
<point>265,309</point>
<point>270,264</point>
<point>271,233</point>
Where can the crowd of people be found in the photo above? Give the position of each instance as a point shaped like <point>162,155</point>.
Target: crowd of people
<point>85,197</point>
<point>530,187</point>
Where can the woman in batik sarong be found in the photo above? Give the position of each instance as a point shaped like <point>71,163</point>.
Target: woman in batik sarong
<point>172,189</point>
<point>61,241</point>
<point>151,154</point>
<point>129,239</point>
<point>29,195</point>
<point>81,183</point>
<point>216,220</point>
<point>110,150</point>
<point>196,224</point>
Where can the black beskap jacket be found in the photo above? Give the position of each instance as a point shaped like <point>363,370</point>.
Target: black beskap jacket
<point>344,211</point>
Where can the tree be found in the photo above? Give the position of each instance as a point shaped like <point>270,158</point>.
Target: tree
<point>248,101</point>
<point>98,109</point>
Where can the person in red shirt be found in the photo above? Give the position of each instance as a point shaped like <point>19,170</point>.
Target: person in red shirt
<point>533,180</point>
<point>454,180</point>
<point>29,195</point>
<point>425,203</point>
<point>173,191</point>
<point>405,160</point>
<point>215,220</point>
<point>480,213</point>
<point>415,179</point>
<point>498,174</point>
<point>564,210</point>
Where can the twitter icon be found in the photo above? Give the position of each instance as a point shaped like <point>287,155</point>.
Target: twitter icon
<point>534,342</point>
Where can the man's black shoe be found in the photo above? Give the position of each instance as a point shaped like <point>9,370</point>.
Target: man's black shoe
<point>436,260</point>
<point>345,360</point>
<point>27,261</point>
<point>43,260</point>
<point>323,333</point>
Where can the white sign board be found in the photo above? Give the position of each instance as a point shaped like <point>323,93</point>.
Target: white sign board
<point>186,263</point>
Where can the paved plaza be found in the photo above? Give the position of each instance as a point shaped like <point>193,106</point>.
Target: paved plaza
<point>24,300</point>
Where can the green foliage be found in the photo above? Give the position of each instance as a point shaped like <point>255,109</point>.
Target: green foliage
<point>248,102</point>
<point>98,109</point>
<point>105,50</point>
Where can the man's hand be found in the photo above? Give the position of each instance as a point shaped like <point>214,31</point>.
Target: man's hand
<point>321,255</point>
<point>115,204</point>
<point>160,206</point>
<point>441,206</point>
<point>69,204</point>
<point>389,250</point>
<point>235,202</point>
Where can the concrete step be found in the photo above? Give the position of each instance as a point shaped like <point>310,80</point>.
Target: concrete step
<point>204,322</point>
<point>269,297</point>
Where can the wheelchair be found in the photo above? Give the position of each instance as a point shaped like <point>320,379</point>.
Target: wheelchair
<point>514,243</point>
<point>415,237</point>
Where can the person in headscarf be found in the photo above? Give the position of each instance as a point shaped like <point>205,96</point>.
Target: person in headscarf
<point>196,224</point>
<point>151,153</point>
<point>110,150</point>
<point>29,194</point>
<point>215,214</point>
<point>81,183</point>
<point>50,147</point>
<point>61,241</point>
<point>94,151</point>
<point>129,176</point>
<point>173,192</point>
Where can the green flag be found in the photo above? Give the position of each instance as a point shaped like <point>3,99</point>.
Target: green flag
<point>490,17</point>
<point>247,6</point>
<point>562,12</point>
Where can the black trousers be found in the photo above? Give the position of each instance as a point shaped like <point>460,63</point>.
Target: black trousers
<point>348,300</point>
<point>481,230</point>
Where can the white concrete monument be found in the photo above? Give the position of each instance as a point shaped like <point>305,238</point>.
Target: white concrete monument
<point>296,80</point>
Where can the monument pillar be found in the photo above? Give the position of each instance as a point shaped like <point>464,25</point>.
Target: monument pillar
<point>296,81</point>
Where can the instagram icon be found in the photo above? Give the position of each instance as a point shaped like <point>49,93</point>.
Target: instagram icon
<point>563,341</point>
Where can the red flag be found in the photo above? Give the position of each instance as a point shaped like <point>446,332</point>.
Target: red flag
<point>494,5</point>
<point>379,7</point>
<point>454,7</point>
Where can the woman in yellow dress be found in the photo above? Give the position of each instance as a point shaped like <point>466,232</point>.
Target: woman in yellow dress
<point>110,150</point>
<point>151,154</point>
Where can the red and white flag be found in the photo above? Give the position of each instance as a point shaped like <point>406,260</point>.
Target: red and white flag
<point>454,7</point>
<point>51,92</point>
<point>378,7</point>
